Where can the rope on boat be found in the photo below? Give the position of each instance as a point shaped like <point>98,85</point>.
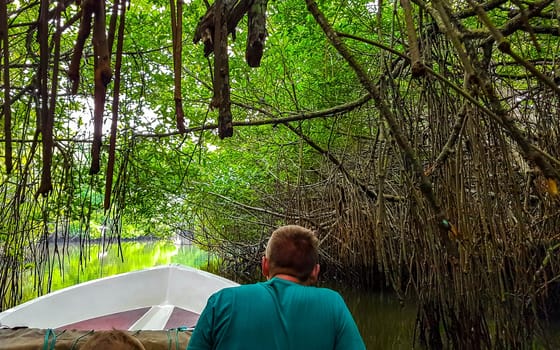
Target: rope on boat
<point>176,330</point>
<point>48,334</point>
<point>78,339</point>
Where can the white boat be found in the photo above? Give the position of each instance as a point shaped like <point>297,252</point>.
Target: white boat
<point>158,298</point>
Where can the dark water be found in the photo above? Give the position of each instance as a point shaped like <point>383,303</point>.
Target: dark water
<point>383,322</point>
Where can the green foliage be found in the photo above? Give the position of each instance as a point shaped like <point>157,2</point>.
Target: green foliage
<point>369,178</point>
<point>167,182</point>
<point>109,259</point>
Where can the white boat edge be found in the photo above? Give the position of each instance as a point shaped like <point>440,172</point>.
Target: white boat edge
<point>161,287</point>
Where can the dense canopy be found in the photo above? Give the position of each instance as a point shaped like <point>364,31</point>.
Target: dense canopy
<point>420,140</point>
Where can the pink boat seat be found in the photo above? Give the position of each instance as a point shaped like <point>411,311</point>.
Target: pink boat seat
<point>124,320</point>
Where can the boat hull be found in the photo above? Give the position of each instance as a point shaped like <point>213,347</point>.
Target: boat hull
<point>158,298</point>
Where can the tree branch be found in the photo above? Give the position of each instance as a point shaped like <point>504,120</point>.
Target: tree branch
<point>329,112</point>
<point>426,186</point>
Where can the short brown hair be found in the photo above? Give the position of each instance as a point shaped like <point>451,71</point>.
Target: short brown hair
<point>293,249</point>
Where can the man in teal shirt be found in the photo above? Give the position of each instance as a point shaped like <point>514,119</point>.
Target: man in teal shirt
<point>284,313</point>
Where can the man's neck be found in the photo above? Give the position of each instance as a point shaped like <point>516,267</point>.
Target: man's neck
<point>287,277</point>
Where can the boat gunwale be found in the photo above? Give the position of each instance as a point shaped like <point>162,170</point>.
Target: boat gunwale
<point>175,293</point>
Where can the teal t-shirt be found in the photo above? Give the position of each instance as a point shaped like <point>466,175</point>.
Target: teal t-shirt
<point>276,314</point>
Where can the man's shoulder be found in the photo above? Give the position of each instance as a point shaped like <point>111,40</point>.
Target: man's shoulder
<point>312,291</point>
<point>259,287</point>
<point>237,290</point>
<point>327,292</point>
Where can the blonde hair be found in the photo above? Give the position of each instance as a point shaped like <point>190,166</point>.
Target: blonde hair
<point>112,340</point>
<point>294,250</point>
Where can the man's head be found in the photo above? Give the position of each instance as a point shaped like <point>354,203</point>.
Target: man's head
<point>292,250</point>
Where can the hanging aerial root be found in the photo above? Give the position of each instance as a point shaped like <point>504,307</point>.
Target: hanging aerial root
<point>257,33</point>
<point>88,7</point>
<point>221,98</point>
<point>103,73</point>
<point>46,125</point>
<point>177,35</point>
<point>115,104</point>
<point>213,28</point>
<point>205,28</point>
<point>103,76</point>
<point>93,10</point>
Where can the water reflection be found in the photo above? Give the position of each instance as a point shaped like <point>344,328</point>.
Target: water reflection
<point>383,322</point>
